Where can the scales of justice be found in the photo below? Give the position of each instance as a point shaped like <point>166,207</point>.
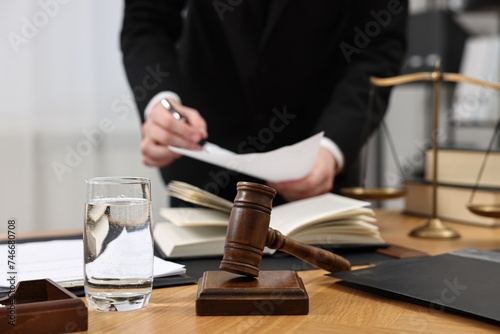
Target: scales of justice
<point>434,228</point>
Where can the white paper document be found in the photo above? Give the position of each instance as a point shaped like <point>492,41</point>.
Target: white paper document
<point>286,163</point>
<point>61,261</point>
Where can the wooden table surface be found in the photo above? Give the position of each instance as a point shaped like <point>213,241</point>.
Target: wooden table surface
<point>333,308</point>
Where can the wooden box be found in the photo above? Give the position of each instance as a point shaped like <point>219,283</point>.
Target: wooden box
<point>42,306</point>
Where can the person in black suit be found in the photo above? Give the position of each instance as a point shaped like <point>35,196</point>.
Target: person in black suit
<point>256,75</point>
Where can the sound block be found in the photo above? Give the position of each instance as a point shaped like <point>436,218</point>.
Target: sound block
<point>279,292</point>
<point>42,306</point>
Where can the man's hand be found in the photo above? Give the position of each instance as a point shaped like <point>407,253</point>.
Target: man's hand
<point>317,182</point>
<point>161,130</point>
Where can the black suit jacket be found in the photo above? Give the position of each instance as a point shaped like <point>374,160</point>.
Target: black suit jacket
<point>265,74</point>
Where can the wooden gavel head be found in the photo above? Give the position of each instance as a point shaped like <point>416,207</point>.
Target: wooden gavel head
<point>247,230</point>
<point>248,233</point>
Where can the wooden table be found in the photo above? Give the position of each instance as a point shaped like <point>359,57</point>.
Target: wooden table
<point>333,308</point>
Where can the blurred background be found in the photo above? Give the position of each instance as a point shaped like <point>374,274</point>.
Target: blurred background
<point>67,114</point>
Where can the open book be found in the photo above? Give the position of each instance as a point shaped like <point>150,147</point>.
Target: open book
<point>323,220</point>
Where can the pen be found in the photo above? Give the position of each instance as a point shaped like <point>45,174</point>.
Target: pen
<point>177,115</point>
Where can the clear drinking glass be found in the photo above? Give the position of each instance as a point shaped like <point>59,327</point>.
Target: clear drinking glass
<point>118,243</point>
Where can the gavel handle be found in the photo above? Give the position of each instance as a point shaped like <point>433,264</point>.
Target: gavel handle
<point>318,257</point>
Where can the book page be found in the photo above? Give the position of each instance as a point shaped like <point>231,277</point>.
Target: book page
<point>189,241</point>
<point>294,215</point>
<point>195,216</point>
<point>188,192</point>
<point>286,217</point>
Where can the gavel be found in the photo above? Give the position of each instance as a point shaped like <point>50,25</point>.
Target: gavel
<point>248,233</point>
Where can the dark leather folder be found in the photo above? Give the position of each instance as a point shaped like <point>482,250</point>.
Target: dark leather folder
<point>466,282</point>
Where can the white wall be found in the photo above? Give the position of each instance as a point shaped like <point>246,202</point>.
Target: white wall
<point>61,80</point>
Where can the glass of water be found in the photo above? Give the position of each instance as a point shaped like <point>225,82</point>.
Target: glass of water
<point>118,243</point>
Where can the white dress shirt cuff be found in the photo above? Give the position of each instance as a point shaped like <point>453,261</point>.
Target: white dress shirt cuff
<point>157,98</point>
<point>335,151</point>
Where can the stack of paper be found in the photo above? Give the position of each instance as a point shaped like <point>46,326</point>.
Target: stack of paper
<point>272,166</point>
<point>62,261</point>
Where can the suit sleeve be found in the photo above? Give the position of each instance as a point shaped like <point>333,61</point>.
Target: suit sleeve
<point>150,32</point>
<point>380,55</point>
